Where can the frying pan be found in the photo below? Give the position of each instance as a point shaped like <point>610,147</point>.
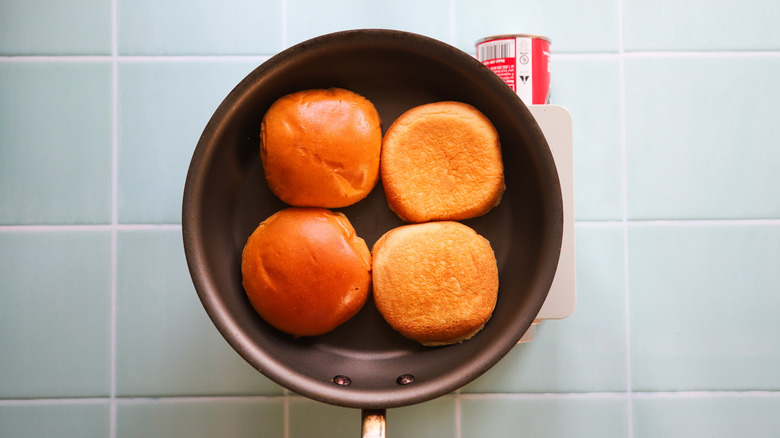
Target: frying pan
<point>364,363</point>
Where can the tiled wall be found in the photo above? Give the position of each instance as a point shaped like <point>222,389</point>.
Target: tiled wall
<point>677,157</point>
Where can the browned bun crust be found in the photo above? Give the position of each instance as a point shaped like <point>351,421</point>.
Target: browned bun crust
<point>305,270</point>
<point>442,161</point>
<point>435,282</point>
<point>320,148</point>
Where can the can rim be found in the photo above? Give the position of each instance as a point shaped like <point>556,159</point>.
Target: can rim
<point>512,35</point>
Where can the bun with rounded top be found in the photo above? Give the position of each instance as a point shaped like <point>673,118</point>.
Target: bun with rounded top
<point>305,270</point>
<point>321,147</point>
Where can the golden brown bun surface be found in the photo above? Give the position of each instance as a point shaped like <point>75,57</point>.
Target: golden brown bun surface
<point>442,161</point>
<point>436,282</point>
<point>305,270</point>
<point>320,148</point>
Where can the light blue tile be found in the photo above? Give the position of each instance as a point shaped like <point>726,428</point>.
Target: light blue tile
<point>703,307</point>
<point>432,419</point>
<point>701,25</point>
<point>55,420</point>
<point>309,418</point>
<point>165,342</point>
<point>230,418</point>
<point>310,18</point>
<point>199,27</point>
<point>55,142</point>
<point>702,135</point>
<point>710,416</point>
<point>585,352</point>
<point>54,317</point>
<point>62,27</point>
<point>560,417</point>
<point>590,90</point>
<point>572,26</point>
<point>163,109</point>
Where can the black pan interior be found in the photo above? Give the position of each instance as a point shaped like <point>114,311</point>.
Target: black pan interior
<point>226,198</point>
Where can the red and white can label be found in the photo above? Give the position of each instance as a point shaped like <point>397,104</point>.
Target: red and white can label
<point>522,61</point>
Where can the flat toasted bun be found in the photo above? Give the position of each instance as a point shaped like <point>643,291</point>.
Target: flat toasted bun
<point>320,148</point>
<point>435,282</point>
<point>442,161</point>
<point>305,270</point>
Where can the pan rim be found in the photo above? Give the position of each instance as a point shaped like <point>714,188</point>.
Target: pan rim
<point>233,333</point>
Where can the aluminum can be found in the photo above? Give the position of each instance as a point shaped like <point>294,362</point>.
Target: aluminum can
<point>522,61</point>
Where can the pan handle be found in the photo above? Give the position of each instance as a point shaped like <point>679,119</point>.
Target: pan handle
<point>373,423</point>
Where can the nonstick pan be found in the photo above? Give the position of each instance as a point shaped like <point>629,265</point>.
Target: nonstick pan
<point>364,363</point>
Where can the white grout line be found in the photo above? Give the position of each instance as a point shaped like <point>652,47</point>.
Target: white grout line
<point>194,58</point>
<point>286,413</point>
<point>37,228</point>
<point>56,58</point>
<point>626,273</point>
<point>198,399</point>
<point>599,224</point>
<point>89,227</point>
<point>452,23</point>
<point>620,54</point>
<point>284,24</point>
<point>584,56</point>
<point>462,396</point>
<point>125,227</point>
<point>621,395</point>
<point>700,222</point>
<point>135,58</point>
<point>677,222</point>
<point>703,54</point>
<point>458,415</point>
<point>578,224</point>
<point>624,188</point>
<point>545,395</point>
<point>705,394</point>
<point>53,401</point>
<point>261,58</point>
<point>112,420</point>
<point>137,400</point>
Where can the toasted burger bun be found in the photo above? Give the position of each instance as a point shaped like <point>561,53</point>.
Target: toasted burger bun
<point>305,270</point>
<point>442,161</point>
<point>435,283</point>
<point>320,148</point>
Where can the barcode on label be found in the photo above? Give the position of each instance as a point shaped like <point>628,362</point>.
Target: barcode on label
<point>497,49</point>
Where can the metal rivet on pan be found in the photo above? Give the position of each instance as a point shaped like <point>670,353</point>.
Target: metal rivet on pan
<point>342,380</point>
<point>404,379</point>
